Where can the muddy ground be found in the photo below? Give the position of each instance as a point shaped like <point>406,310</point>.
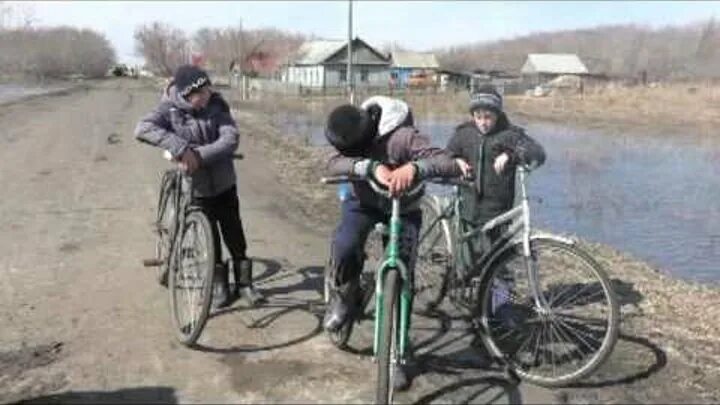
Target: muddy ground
<point>85,322</point>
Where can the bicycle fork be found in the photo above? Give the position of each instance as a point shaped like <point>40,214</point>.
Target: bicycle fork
<point>541,304</point>
<point>393,261</point>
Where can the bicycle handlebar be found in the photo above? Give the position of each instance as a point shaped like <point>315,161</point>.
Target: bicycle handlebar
<point>452,181</point>
<point>378,188</point>
<point>168,156</point>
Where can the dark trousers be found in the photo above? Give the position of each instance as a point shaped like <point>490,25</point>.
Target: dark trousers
<point>223,211</point>
<point>352,232</point>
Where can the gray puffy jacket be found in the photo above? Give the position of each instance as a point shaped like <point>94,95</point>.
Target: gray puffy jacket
<point>212,132</point>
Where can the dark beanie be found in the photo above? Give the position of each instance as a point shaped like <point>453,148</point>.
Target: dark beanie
<point>189,78</point>
<point>486,97</point>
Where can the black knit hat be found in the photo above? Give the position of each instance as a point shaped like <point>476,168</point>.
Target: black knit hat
<point>486,97</point>
<point>189,78</point>
<point>350,129</point>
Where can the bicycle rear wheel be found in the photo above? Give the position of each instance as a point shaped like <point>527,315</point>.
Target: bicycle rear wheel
<point>192,281</point>
<point>434,258</point>
<point>388,345</point>
<point>557,344</point>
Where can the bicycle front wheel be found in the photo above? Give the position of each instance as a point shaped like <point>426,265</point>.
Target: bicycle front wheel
<point>388,345</point>
<point>165,223</point>
<point>568,332</point>
<point>191,282</point>
<point>434,258</point>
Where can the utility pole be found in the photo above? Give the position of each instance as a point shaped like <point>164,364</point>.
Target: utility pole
<point>349,77</point>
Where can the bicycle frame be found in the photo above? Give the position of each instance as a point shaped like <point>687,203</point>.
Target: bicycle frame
<point>519,230</point>
<point>392,260</point>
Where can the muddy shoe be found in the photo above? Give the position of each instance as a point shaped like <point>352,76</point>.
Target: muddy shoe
<point>336,314</point>
<point>341,306</point>
<point>251,296</point>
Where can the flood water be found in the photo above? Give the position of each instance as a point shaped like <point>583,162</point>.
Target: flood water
<point>655,197</point>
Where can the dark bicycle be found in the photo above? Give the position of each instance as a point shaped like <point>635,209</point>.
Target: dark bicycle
<point>185,254</point>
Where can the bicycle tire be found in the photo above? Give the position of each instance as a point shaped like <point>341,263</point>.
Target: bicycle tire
<point>167,203</point>
<point>188,336</point>
<point>387,350</point>
<point>613,316</point>
<point>434,259</point>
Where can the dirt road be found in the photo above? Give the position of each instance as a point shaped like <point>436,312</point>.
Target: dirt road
<point>83,321</point>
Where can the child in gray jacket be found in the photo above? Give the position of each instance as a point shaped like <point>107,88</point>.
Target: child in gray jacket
<point>194,124</point>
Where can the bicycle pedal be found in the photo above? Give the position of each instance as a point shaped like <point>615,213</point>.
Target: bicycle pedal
<point>152,262</point>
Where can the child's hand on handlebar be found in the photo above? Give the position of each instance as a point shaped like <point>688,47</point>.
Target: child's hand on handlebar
<point>383,175</point>
<point>465,168</point>
<point>401,178</point>
<point>189,161</point>
<point>500,162</point>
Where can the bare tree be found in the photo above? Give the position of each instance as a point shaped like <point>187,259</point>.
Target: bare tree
<point>55,52</point>
<point>234,46</point>
<point>163,47</point>
<point>618,50</point>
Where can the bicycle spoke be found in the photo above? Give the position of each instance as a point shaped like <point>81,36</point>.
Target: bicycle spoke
<point>561,333</point>
<point>586,320</point>
<point>579,334</point>
<point>559,341</point>
<point>526,341</point>
<point>537,345</point>
<point>598,292</point>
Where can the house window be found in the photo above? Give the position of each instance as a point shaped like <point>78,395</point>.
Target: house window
<point>343,75</point>
<point>364,75</point>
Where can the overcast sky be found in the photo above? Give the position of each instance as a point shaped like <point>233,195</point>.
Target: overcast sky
<point>419,25</point>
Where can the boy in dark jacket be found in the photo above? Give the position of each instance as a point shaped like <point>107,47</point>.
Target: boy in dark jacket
<point>194,124</point>
<point>489,148</point>
<point>379,140</point>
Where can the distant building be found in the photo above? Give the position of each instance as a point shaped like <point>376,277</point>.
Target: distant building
<point>257,64</point>
<point>414,69</point>
<point>453,80</point>
<point>323,64</point>
<point>543,67</point>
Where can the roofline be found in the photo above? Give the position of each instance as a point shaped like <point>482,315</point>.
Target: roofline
<point>375,51</point>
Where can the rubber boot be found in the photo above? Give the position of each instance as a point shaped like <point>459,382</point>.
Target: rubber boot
<point>244,288</point>
<point>221,289</point>
<point>342,301</point>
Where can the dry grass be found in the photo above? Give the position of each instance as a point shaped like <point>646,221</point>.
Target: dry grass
<point>692,107</point>
<point>447,105</point>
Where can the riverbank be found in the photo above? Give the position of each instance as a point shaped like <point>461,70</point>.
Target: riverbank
<point>691,109</point>
<point>668,330</point>
<point>674,109</point>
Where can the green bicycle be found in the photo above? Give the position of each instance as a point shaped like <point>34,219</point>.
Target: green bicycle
<point>393,295</point>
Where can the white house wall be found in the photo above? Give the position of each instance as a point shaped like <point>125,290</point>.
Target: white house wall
<point>377,76</point>
<point>307,76</point>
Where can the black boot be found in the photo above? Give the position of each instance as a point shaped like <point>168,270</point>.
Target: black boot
<point>342,300</point>
<point>221,290</point>
<point>244,289</point>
